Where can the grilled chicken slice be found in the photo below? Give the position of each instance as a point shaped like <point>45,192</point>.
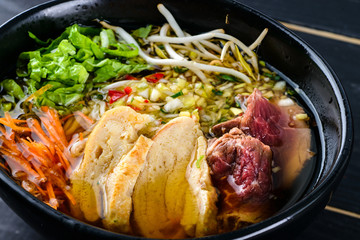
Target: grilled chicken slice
<point>120,184</point>
<point>200,207</point>
<point>112,138</point>
<point>162,188</point>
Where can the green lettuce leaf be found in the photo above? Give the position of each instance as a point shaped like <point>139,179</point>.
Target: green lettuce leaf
<point>12,88</point>
<point>142,32</point>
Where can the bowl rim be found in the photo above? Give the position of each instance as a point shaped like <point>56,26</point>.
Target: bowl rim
<point>255,230</point>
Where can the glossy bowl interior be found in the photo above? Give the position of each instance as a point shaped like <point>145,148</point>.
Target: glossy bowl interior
<point>320,90</point>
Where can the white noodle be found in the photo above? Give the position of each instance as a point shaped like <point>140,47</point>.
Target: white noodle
<point>225,49</point>
<point>176,56</point>
<point>205,36</point>
<point>167,46</point>
<point>189,49</point>
<point>119,84</point>
<point>259,39</point>
<point>173,62</point>
<point>171,20</point>
<point>203,50</point>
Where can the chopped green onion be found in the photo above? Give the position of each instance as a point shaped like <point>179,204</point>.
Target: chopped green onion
<point>178,94</point>
<point>198,162</point>
<point>216,92</point>
<point>180,69</point>
<point>262,63</point>
<point>226,77</point>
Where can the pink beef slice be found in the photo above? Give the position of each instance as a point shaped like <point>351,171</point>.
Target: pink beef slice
<point>277,127</point>
<point>245,162</point>
<point>263,120</point>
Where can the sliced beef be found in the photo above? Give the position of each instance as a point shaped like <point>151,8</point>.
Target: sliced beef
<point>277,127</point>
<point>245,162</point>
<point>262,120</point>
<point>224,127</point>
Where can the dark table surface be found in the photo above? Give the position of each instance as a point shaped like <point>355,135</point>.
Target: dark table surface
<point>332,28</point>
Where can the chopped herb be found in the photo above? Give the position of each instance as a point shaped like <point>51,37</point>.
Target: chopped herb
<point>216,92</point>
<point>198,162</point>
<point>226,77</point>
<point>223,119</point>
<point>163,111</point>
<point>262,63</point>
<point>272,76</point>
<point>291,92</point>
<point>178,94</point>
<point>163,122</point>
<point>180,69</point>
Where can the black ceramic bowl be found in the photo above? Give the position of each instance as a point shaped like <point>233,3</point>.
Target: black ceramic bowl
<point>321,91</point>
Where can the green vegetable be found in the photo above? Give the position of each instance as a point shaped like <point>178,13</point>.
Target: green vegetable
<point>115,68</point>
<point>178,94</point>
<point>216,92</point>
<point>12,88</point>
<point>81,41</point>
<point>142,32</point>
<point>122,50</point>
<point>180,69</point>
<point>198,161</point>
<point>107,37</point>
<point>72,63</point>
<point>226,77</point>
<point>6,107</point>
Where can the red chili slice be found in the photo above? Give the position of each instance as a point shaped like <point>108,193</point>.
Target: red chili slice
<point>154,78</point>
<point>128,90</point>
<point>129,77</point>
<point>115,95</point>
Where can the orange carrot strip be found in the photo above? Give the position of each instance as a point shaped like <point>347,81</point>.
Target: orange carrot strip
<point>81,137</point>
<point>32,150</point>
<point>36,128</point>
<point>69,196</point>
<point>86,118</point>
<point>66,117</point>
<point>42,192</point>
<point>13,126</point>
<point>62,158</point>
<point>53,202</point>
<point>23,164</point>
<point>4,166</point>
<point>40,172</point>
<point>58,127</point>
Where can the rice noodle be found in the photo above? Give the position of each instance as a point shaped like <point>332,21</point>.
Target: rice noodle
<point>173,62</point>
<point>205,36</point>
<point>259,39</point>
<point>224,50</point>
<point>176,56</point>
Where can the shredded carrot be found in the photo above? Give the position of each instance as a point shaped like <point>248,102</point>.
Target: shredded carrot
<point>13,126</point>
<point>63,120</point>
<point>40,158</point>
<point>81,137</point>
<point>36,128</point>
<point>52,200</point>
<point>86,118</point>
<point>23,164</point>
<point>62,158</point>
<point>4,166</point>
